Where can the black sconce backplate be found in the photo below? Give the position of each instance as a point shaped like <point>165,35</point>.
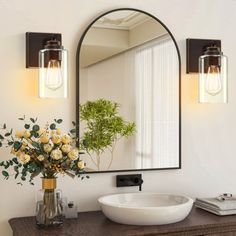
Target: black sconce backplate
<point>34,43</point>
<point>196,48</point>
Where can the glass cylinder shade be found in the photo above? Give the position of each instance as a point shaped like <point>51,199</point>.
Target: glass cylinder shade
<point>53,74</point>
<point>213,78</point>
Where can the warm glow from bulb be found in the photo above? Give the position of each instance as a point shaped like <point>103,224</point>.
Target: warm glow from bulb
<point>54,78</point>
<point>213,80</point>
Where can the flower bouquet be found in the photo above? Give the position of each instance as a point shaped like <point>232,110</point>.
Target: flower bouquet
<point>42,150</point>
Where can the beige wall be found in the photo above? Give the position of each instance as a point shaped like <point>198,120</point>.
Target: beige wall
<point>102,43</point>
<point>144,32</point>
<point>208,131</point>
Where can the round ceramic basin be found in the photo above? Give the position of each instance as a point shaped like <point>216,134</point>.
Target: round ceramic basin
<point>145,208</point>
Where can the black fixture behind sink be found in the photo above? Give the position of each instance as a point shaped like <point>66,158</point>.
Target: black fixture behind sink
<point>129,180</point>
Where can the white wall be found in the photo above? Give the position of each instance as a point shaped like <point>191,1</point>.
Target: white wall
<point>119,87</point>
<point>208,131</point>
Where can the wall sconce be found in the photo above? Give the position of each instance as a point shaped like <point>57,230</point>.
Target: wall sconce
<point>44,50</point>
<point>206,58</point>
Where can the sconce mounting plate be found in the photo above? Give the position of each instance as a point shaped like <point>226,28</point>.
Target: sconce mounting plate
<point>196,48</point>
<point>34,43</point>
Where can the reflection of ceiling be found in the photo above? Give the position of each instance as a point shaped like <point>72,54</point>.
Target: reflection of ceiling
<point>121,20</point>
<point>117,32</point>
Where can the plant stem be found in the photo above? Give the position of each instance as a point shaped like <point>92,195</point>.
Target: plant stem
<point>112,154</point>
<point>92,159</point>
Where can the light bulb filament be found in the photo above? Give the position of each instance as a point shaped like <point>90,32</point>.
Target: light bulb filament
<point>54,78</point>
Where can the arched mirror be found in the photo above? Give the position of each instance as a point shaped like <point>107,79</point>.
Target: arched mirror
<point>128,94</point>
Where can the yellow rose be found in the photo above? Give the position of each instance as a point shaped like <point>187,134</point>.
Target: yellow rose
<point>27,134</point>
<point>66,139</point>
<point>44,138</point>
<point>58,131</point>
<point>40,158</point>
<point>19,153</point>
<point>53,132</point>
<point>19,134</point>
<point>74,154</point>
<point>80,164</point>
<point>66,148</point>
<point>13,151</point>
<point>24,158</point>
<point>47,147</point>
<point>56,139</point>
<point>23,147</point>
<point>56,154</point>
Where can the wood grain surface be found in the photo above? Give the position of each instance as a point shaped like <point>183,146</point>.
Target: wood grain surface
<point>94,223</point>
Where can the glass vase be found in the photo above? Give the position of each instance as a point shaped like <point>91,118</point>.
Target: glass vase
<point>49,205</point>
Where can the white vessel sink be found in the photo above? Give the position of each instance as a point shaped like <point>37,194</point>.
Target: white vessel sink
<point>145,208</point>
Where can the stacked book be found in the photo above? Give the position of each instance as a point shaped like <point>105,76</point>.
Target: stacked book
<point>217,206</point>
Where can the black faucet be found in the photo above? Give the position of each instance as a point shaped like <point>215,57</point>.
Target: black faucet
<point>129,180</point>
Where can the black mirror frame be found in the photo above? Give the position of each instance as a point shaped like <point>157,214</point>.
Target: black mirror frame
<point>78,87</point>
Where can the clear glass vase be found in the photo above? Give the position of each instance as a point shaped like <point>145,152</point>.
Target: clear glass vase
<point>49,205</point>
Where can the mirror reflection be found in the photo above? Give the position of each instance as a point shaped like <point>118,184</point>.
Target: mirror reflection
<point>129,94</point>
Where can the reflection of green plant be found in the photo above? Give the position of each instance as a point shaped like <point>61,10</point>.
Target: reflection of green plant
<point>104,127</point>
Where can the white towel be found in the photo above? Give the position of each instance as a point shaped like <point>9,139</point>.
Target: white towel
<point>217,205</point>
<point>214,211</point>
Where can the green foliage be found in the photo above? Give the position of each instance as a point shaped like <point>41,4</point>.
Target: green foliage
<point>104,126</point>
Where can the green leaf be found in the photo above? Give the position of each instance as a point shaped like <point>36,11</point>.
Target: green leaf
<point>59,121</point>
<point>1,137</point>
<point>53,126</point>
<point>34,134</point>
<point>5,173</point>
<point>33,120</point>
<point>10,143</point>
<point>36,128</point>
<point>27,126</point>
<point>36,145</point>
<point>73,131</point>
<point>4,126</point>
<point>23,178</point>
<point>0,144</point>
<point>17,145</point>
<point>15,160</point>
<point>7,134</point>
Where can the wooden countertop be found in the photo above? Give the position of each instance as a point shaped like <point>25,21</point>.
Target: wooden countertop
<point>199,222</point>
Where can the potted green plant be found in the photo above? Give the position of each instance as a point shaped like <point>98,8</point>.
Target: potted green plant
<point>104,127</point>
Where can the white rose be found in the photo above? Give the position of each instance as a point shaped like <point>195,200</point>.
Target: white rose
<point>66,139</point>
<point>44,138</point>
<point>24,158</point>
<point>56,154</point>
<point>66,148</point>
<point>80,164</point>
<point>56,139</point>
<point>40,158</point>
<point>47,147</point>
<point>74,154</point>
